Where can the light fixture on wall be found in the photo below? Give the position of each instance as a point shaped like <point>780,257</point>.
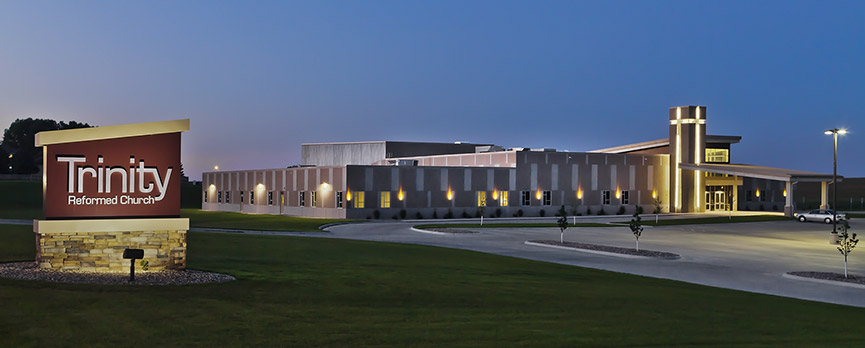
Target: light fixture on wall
<point>348,195</point>
<point>538,194</point>
<point>450,194</point>
<point>579,193</point>
<point>400,195</point>
<point>495,194</point>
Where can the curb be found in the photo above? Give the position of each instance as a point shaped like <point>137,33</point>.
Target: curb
<point>431,232</point>
<point>598,252</point>
<point>824,281</point>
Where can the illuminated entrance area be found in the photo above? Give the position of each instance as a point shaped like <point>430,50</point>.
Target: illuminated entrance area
<point>719,198</point>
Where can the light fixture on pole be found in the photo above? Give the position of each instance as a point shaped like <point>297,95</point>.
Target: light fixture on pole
<point>834,132</point>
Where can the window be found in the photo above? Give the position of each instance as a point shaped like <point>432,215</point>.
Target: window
<point>251,197</point>
<point>269,197</point>
<point>219,197</point>
<point>763,195</point>
<point>718,155</point>
<point>626,197</point>
<point>384,201</point>
<point>503,198</point>
<point>748,195</point>
<point>526,197</point>
<point>241,196</point>
<point>339,199</point>
<point>358,199</point>
<point>314,199</point>
<point>605,197</point>
<point>547,198</point>
<point>227,197</point>
<point>482,198</point>
<point>205,196</point>
<point>302,198</point>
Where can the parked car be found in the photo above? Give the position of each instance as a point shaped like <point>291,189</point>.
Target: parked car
<point>823,215</point>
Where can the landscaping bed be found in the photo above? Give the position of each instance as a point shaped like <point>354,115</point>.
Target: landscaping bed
<point>610,249</point>
<point>838,277</point>
<point>30,271</point>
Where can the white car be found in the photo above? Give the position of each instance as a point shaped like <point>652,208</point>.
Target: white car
<point>824,215</point>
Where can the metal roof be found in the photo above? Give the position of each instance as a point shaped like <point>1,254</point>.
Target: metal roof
<point>726,139</point>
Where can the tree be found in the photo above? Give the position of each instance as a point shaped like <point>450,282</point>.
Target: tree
<point>657,202</point>
<point>19,140</point>
<point>4,161</point>
<point>636,228</point>
<point>846,242</point>
<point>563,223</point>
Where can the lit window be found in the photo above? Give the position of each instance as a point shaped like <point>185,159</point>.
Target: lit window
<point>219,197</point>
<point>605,197</point>
<point>626,199</point>
<point>526,197</point>
<point>339,199</point>
<point>548,198</point>
<point>269,197</point>
<point>252,197</point>
<point>314,199</point>
<point>482,198</point>
<point>227,197</point>
<point>385,199</point>
<point>302,198</point>
<point>718,155</point>
<point>503,198</point>
<point>358,199</point>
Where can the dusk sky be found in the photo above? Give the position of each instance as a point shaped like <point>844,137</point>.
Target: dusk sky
<point>259,78</point>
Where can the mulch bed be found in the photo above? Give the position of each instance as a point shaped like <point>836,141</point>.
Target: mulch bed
<point>838,277</point>
<point>449,230</point>
<point>30,271</point>
<point>611,249</point>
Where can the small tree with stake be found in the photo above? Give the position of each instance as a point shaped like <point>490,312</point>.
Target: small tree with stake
<point>563,223</point>
<point>846,242</point>
<point>636,228</point>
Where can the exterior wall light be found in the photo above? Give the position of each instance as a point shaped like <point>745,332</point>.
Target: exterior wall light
<point>495,194</point>
<point>758,193</point>
<point>580,193</point>
<point>450,194</point>
<point>400,195</point>
<point>618,193</point>
<point>538,194</point>
<point>348,195</point>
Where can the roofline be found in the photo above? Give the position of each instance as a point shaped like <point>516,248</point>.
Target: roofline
<point>736,169</point>
<point>395,141</point>
<point>727,139</point>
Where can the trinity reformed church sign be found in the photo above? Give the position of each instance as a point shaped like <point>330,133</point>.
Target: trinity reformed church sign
<point>113,172</point>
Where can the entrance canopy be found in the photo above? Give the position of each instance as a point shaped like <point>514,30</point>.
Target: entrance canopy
<point>789,176</point>
<point>779,174</point>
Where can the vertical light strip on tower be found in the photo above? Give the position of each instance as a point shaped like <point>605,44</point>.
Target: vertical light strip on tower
<point>678,156</point>
<point>697,161</point>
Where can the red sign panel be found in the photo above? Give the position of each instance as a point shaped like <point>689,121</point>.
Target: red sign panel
<point>124,177</point>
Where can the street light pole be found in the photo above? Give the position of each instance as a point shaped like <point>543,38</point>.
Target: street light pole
<point>835,133</point>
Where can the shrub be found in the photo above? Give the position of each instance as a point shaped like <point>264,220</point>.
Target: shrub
<point>574,211</point>
<point>499,212</point>
<point>435,214</point>
<point>479,212</point>
<point>762,208</point>
<point>639,209</point>
<point>418,216</point>
<point>542,213</point>
<point>621,210</point>
<point>368,217</point>
<point>520,213</point>
<point>466,215</point>
<point>395,217</point>
<point>602,212</point>
<point>775,207</point>
<point>588,210</point>
<point>376,214</point>
<point>402,213</point>
<point>449,214</point>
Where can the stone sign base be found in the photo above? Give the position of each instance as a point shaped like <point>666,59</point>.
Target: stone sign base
<point>97,245</point>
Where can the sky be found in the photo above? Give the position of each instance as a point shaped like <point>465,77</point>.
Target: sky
<point>258,78</point>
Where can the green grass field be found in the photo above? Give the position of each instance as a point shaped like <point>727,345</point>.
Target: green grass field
<point>295,291</point>
<point>213,219</point>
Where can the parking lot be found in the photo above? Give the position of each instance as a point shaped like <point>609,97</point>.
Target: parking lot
<point>745,256</point>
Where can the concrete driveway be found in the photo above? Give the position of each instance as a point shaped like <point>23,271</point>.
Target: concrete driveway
<point>743,256</point>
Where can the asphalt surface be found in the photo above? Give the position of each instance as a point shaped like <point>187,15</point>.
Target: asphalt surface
<point>744,256</point>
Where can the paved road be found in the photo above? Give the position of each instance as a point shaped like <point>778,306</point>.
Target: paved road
<point>744,256</point>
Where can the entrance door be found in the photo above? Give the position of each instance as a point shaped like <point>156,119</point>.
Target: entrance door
<point>720,200</point>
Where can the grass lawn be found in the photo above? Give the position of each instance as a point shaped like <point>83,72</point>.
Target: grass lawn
<point>512,225</point>
<point>649,220</point>
<point>295,291</point>
<point>214,219</point>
